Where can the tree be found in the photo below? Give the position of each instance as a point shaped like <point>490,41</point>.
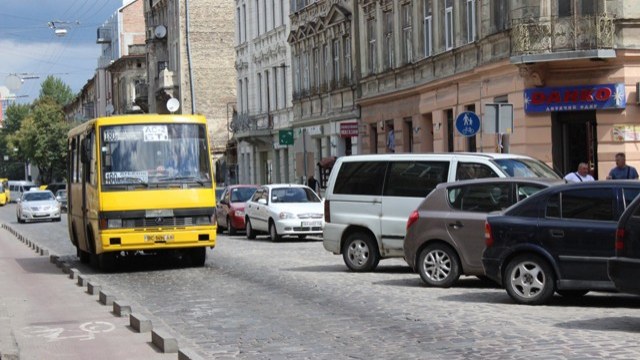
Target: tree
<point>12,164</point>
<point>42,139</point>
<point>57,90</point>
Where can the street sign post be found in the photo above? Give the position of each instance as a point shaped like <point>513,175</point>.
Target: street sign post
<point>285,137</point>
<point>468,123</point>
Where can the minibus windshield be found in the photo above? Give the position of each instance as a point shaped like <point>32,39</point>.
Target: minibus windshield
<point>154,155</point>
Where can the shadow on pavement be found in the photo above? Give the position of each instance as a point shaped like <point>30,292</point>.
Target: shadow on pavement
<point>39,265</point>
<point>590,300</point>
<point>623,323</point>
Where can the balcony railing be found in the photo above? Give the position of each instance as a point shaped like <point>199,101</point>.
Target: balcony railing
<point>556,34</point>
<point>243,123</point>
<point>104,35</point>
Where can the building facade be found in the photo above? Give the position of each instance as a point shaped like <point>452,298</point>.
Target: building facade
<point>568,70</point>
<point>190,58</point>
<point>263,107</point>
<point>326,117</point>
<point>128,81</point>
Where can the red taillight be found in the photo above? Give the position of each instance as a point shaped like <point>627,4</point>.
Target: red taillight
<point>488,236</point>
<point>327,212</point>
<point>412,218</point>
<point>619,239</point>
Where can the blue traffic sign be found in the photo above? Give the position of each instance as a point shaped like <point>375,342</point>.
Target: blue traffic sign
<point>468,123</point>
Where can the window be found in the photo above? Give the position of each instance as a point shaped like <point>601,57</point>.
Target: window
<point>360,178</point>
<point>526,190</point>
<point>336,61</point>
<point>240,95</point>
<point>281,12</point>
<point>284,86</point>
<point>347,60</point>
<point>582,7</point>
<point>388,40</point>
<point>264,14</point>
<point>407,34</point>
<point>258,17</point>
<point>259,92</point>
<point>296,75</point>
<point>276,102</point>
<point>448,25</point>
<point>267,83</point>
<point>273,14</point>
<point>239,22</point>
<point>327,64</point>
<point>481,197</point>
<point>244,23</point>
<point>414,178</point>
<point>471,21</point>
<point>246,95</point>
<point>305,71</point>
<point>629,195</point>
<point>371,48</point>
<point>588,204</point>
<point>500,14</point>
<point>466,171</point>
<point>427,29</point>
<point>316,68</point>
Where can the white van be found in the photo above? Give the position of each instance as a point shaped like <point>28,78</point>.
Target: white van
<point>369,197</point>
<point>17,187</point>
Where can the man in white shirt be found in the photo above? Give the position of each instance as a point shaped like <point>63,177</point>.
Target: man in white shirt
<point>581,175</point>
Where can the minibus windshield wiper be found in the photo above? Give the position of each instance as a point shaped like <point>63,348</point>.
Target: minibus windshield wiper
<point>187,178</point>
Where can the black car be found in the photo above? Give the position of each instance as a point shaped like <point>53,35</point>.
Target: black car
<point>558,240</point>
<point>624,267</point>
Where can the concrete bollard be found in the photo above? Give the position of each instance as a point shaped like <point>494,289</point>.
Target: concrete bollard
<point>121,308</point>
<point>53,259</point>
<point>73,273</point>
<point>106,299</point>
<point>93,288</point>
<point>165,342</point>
<point>188,354</point>
<point>140,323</point>
<point>83,280</point>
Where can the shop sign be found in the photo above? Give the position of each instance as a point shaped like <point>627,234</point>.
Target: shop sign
<point>314,130</point>
<point>575,98</point>
<point>348,129</point>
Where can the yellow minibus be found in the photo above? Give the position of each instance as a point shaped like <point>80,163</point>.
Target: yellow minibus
<point>140,184</point>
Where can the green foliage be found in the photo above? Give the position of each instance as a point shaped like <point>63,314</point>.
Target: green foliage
<point>13,117</point>
<point>42,139</point>
<point>57,90</point>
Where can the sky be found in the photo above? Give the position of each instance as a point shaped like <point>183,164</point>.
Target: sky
<point>29,47</point>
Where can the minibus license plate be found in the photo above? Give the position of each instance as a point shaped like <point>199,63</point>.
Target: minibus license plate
<point>311,223</point>
<point>158,237</point>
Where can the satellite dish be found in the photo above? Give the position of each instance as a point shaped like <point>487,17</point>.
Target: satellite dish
<point>173,104</point>
<point>160,32</point>
<point>13,82</point>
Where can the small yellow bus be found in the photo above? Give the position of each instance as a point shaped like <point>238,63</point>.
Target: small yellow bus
<point>140,184</point>
<point>5,194</point>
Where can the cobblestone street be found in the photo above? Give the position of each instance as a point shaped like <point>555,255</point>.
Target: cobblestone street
<point>256,299</point>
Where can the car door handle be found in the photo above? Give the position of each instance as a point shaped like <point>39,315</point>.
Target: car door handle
<point>456,225</point>
<point>557,233</point>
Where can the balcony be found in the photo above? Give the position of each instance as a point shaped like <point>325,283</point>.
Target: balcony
<point>589,35</point>
<point>104,35</point>
<point>245,126</point>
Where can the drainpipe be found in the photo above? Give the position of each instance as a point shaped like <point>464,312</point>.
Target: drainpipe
<point>193,96</point>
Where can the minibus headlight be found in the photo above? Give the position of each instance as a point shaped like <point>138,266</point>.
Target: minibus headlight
<point>202,220</point>
<point>128,223</point>
<point>114,223</point>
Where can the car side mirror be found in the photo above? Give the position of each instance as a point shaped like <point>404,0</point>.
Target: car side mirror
<point>262,201</point>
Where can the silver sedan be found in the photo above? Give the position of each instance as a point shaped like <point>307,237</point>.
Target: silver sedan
<point>36,205</point>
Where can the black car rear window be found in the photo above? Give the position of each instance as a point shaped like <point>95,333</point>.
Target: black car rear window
<point>583,204</point>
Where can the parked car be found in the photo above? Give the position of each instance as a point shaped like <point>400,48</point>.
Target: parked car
<point>284,210</point>
<point>557,240</point>
<point>445,234</point>
<point>61,196</point>
<point>37,205</point>
<point>369,197</point>
<point>230,207</point>
<point>624,267</point>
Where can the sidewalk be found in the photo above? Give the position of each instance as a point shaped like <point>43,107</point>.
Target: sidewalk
<point>45,315</point>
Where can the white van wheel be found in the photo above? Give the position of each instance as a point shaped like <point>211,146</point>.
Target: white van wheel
<point>360,252</point>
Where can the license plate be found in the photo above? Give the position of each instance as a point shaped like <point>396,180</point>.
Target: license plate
<point>158,237</point>
<point>311,223</point>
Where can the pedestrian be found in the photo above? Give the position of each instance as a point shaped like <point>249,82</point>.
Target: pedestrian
<point>581,175</point>
<point>391,140</point>
<point>313,183</point>
<point>622,170</point>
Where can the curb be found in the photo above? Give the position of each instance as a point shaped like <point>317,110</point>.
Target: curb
<point>160,338</point>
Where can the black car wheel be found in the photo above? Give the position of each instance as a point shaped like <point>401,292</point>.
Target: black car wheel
<point>230,228</point>
<point>273,232</point>
<point>360,252</point>
<point>438,265</point>
<point>529,280</point>
<point>250,233</point>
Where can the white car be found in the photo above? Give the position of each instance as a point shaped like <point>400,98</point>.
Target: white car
<point>36,205</point>
<point>284,210</point>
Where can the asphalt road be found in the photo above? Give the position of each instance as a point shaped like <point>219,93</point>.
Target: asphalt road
<point>293,300</point>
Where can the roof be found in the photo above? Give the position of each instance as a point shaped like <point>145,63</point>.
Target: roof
<point>418,156</point>
<point>541,181</point>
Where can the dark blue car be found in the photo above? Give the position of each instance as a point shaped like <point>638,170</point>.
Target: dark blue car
<point>624,267</point>
<point>558,240</point>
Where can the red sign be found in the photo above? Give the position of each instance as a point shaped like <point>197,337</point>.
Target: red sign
<point>571,98</point>
<point>349,129</point>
